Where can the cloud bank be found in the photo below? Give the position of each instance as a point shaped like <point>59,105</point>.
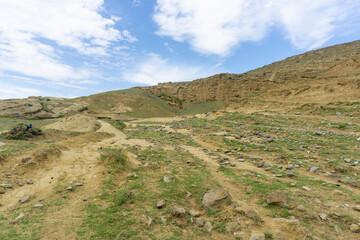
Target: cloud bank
<point>217,26</point>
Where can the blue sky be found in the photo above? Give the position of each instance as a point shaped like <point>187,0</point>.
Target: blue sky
<point>74,48</point>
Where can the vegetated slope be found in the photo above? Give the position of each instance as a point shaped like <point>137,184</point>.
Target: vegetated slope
<point>320,76</point>
<point>132,102</point>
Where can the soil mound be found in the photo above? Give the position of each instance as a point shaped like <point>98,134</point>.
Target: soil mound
<point>78,123</point>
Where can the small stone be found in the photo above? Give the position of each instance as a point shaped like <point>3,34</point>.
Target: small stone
<point>208,226</point>
<point>178,211</point>
<point>24,199</point>
<point>301,208</point>
<point>318,201</point>
<point>314,169</point>
<point>78,184</point>
<point>319,133</point>
<point>161,204</point>
<point>257,237</point>
<point>277,198</point>
<point>20,183</point>
<point>323,216</point>
<point>354,228</point>
<point>261,164</point>
<point>194,213</point>
<point>6,185</point>
<point>167,179</point>
<point>306,188</point>
<point>21,216</point>
<point>29,181</point>
<point>358,139</point>
<point>70,188</point>
<point>338,192</point>
<point>163,220</point>
<point>39,205</point>
<point>199,222</point>
<point>278,235</point>
<point>357,208</point>
<point>239,234</point>
<point>2,190</point>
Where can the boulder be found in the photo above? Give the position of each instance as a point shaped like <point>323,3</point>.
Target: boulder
<point>215,196</point>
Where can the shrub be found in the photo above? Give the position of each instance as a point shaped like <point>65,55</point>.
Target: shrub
<point>114,157</point>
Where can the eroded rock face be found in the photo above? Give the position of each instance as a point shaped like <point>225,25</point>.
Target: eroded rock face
<point>215,196</point>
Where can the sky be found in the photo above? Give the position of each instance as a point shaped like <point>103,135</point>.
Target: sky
<point>73,48</point>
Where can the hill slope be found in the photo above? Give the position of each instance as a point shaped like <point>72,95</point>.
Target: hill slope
<point>321,76</point>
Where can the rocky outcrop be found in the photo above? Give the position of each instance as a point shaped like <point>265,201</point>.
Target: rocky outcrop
<point>40,108</point>
<point>317,75</point>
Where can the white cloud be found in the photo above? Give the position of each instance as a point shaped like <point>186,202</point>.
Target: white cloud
<point>34,34</point>
<point>217,26</point>
<point>154,69</point>
<point>13,91</point>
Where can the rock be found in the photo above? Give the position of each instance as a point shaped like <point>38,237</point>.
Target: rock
<point>194,213</point>
<point>24,199</point>
<point>6,185</point>
<point>178,211</point>
<point>338,192</point>
<point>340,169</point>
<point>314,169</point>
<point>70,188</point>
<point>257,237</point>
<point>233,226</point>
<point>161,204</point>
<point>277,198</point>
<point>358,139</point>
<point>20,183</point>
<point>301,208</point>
<point>199,222</point>
<point>239,234</point>
<point>250,213</point>
<point>78,184</point>
<point>357,208</point>
<point>354,228</point>
<point>261,164</point>
<point>306,188</point>
<point>215,196</point>
<point>319,133</point>
<point>2,190</point>
<point>21,216</point>
<point>208,226</point>
<point>167,179</point>
<point>163,220</point>
<point>278,235</point>
<point>29,181</point>
<point>39,205</point>
<point>323,217</point>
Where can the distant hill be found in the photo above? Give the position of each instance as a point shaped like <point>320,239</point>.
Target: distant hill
<point>322,76</point>
<point>316,79</point>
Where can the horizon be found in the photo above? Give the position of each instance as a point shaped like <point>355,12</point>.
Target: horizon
<point>78,48</point>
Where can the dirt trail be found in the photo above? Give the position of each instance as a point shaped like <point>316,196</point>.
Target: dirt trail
<point>78,162</point>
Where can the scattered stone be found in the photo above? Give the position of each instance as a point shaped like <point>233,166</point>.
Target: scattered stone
<point>278,235</point>
<point>261,164</point>
<point>78,184</point>
<point>357,208</point>
<point>250,213</point>
<point>6,185</point>
<point>319,133</point>
<point>338,192</point>
<point>70,188</point>
<point>301,208</point>
<point>161,204</point>
<point>194,213</point>
<point>239,234</point>
<point>24,199</point>
<point>2,190</point>
<point>199,222</point>
<point>257,237</point>
<point>39,205</point>
<point>323,217</point>
<point>178,211</point>
<point>163,220</point>
<point>355,228</point>
<point>215,196</point>
<point>167,179</point>
<point>358,139</point>
<point>29,181</point>
<point>314,169</point>
<point>21,216</point>
<point>277,198</point>
<point>306,188</point>
<point>318,201</point>
<point>21,183</point>
<point>208,226</point>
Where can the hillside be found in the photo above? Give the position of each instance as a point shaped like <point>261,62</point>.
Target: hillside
<point>322,76</point>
